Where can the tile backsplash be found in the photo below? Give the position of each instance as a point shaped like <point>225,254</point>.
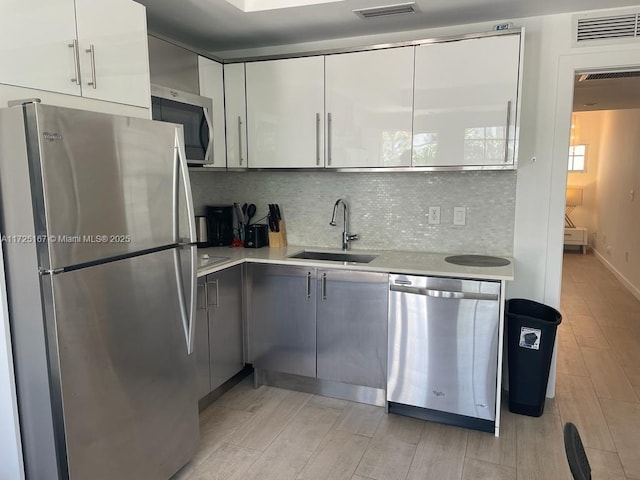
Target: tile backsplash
<point>389,211</point>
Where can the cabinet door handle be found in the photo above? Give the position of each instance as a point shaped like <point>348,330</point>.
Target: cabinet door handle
<point>217,302</point>
<point>324,287</point>
<point>308,285</point>
<point>506,133</point>
<point>206,301</point>
<point>92,53</point>
<point>240,159</point>
<point>329,138</point>
<point>317,139</point>
<point>76,61</point>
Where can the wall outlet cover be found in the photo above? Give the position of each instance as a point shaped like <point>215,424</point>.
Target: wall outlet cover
<point>459,215</point>
<point>434,215</point>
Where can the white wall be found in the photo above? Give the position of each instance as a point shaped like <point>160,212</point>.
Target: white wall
<point>618,234</point>
<point>587,131</point>
<point>10,447</point>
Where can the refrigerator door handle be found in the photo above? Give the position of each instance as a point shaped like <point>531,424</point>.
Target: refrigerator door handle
<point>187,294</point>
<point>186,184</point>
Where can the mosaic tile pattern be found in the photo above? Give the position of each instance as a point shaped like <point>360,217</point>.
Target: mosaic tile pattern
<point>387,210</point>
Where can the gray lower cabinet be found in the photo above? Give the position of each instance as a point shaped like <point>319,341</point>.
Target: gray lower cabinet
<point>283,324</point>
<point>324,323</point>
<point>352,309</point>
<point>219,336</point>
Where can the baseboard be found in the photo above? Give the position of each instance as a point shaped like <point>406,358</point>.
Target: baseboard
<point>627,284</point>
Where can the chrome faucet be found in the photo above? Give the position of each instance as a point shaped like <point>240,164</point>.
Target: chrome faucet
<point>346,236</point>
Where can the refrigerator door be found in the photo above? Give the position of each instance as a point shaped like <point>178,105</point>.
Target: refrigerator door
<point>104,185</point>
<point>126,382</point>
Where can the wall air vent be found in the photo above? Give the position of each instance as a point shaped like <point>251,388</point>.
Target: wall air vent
<point>607,76</point>
<point>610,29</point>
<point>385,11</point>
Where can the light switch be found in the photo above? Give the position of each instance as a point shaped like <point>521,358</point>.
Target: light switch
<point>459,215</point>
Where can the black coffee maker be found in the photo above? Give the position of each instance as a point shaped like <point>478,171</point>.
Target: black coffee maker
<point>220,219</point>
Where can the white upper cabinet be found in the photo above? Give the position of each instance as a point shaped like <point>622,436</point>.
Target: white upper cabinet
<point>236,115</point>
<point>94,48</point>
<point>369,100</point>
<point>38,45</point>
<point>114,56</point>
<point>212,85</point>
<point>466,98</point>
<point>285,109</point>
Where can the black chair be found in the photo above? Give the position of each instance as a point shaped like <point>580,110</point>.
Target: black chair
<point>576,456</point>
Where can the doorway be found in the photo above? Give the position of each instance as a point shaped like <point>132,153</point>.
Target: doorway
<point>603,161</point>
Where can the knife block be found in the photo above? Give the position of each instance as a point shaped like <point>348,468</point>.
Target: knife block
<point>278,239</point>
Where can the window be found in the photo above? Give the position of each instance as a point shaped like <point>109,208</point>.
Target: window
<point>577,158</point>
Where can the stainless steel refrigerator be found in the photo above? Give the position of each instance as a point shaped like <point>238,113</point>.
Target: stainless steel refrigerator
<point>100,259</point>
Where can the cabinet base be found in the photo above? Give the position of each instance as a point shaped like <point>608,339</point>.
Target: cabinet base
<point>317,386</point>
<point>211,397</point>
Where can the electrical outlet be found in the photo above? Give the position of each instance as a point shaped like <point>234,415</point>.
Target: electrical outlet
<point>459,215</point>
<point>434,215</point>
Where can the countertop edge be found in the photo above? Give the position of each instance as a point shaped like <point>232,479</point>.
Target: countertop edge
<point>429,264</point>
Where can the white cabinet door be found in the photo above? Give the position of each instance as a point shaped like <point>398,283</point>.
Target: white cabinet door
<point>465,102</point>
<point>369,98</point>
<point>212,86</point>
<point>285,108</point>
<point>114,58</point>
<point>37,45</point>
<point>236,115</point>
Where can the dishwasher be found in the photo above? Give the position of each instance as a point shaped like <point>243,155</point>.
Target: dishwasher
<point>443,349</point>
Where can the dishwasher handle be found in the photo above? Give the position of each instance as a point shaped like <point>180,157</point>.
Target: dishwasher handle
<point>445,294</point>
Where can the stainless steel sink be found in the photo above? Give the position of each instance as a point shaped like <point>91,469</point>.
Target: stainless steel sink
<point>477,260</point>
<point>334,257</point>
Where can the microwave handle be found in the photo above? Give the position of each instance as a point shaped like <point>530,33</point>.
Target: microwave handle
<point>209,143</point>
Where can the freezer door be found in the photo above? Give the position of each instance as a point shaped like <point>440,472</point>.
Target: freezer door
<point>127,382</point>
<point>105,185</point>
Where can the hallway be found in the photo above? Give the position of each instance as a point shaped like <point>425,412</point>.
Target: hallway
<point>598,382</point>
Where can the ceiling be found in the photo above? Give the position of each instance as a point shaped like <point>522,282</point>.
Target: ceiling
<point>216,26</point>
<point>606,94</point>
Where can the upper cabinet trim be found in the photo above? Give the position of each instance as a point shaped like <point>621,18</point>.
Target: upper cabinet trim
<point>380,46</point>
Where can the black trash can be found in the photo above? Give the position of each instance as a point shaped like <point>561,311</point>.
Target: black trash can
<point>531,334</point>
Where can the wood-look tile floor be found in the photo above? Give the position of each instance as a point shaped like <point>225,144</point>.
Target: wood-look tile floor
<point>269,433</point>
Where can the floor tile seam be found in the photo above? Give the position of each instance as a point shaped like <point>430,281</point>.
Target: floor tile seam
<point>281,429</point>
<point>565,420</point>
<point>363,453</point>
<point>415,450</point>
<point>616,359</point>
<point>613,440</point>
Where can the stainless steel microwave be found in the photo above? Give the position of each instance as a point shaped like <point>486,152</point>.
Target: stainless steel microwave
<point>191,111</point>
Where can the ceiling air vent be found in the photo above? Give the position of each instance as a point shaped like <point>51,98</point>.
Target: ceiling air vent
<point>607,28</point>
<point>385,11</point>
<point>607,76</point>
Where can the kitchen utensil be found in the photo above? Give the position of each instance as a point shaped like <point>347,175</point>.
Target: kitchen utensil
<point>240,217</point>
<point>251,211</point>
<point>273,220</point>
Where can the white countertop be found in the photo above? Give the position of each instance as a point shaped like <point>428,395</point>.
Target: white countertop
<point>387,261</point>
